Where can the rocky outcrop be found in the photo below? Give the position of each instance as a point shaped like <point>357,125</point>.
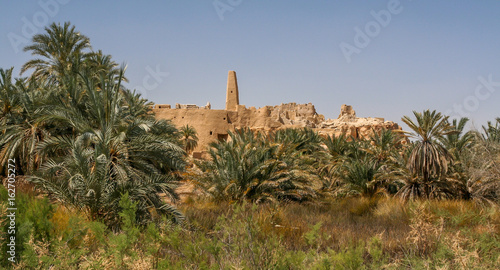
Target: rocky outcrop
<point>292,115</point>
<point>358,127</point>
<point>347,114</point>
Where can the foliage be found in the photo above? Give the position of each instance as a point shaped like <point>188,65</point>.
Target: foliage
<point>84,139</point>
<point>60,48</point>
<point>113,152</point>
<point>429,159</point>
<point>189,138</point>
<point>259,167</point>
<point>360,176</point>
<point>276,236</point>
<point>106,167</point>
<point>492,132</point>
<point>482,170</point>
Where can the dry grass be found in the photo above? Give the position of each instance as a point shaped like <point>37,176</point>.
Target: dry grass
<point>416,230</point>
<point>350,233</point>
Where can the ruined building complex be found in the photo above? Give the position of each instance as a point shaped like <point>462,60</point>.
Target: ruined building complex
<point>213,125</point>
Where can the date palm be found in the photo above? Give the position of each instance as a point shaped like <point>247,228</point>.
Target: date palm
<point>255,167</point>
<point>359,177</point>
<point>20,131</point>
<point>335,151</point>
<point>481,163</point>
<point>384,146</point>
<point>9,97</point>
<point>305,140</point>
<point>429,159</point>
<point>189,138</point>
<point>492,131</point>
<point>58,50</point>
<point>101,64</point>
<point>336,146</point>
<point>91,179</point>
<point>111,149</point>
<point>458,140</point>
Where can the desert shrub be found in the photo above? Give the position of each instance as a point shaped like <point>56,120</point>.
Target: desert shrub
<point>426,231</point>
<point>352,257</point>
<point>32,221</point>
<point>122,244</point>
<point>430,234</point>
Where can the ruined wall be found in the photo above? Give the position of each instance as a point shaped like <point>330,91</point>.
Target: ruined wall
<point>274,117</point>
<point>213,125</point>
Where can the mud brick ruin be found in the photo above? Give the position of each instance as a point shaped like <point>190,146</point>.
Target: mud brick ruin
<point>213,125</point>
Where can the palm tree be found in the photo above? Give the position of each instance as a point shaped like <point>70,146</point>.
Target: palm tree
<point>20,129</point>
<point>189,138</point>
<point>82,137</point>
<point>91,180</point>
<point>336,146</point>
<point>306,140</point>
<point>481,164</point>
<point>492,132</point>
<point>336,149</point>
<point>59,49</point>
<point>360,177</point>
<point>110,150</point>
<point>101,64</point>
<point>429,159</point>
<point>9,97</point>
<point>384,146</point>
<point>458,141</point>
<point>254,167</point>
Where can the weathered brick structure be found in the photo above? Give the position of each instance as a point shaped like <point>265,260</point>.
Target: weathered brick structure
<point>213,125</point>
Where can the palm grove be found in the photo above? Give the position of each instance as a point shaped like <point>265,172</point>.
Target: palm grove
<point>79,136</point>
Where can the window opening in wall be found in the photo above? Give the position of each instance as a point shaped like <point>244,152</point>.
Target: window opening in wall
<point>222,137</point>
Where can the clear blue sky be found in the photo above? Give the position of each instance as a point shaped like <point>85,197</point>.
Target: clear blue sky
<point>430,54</point>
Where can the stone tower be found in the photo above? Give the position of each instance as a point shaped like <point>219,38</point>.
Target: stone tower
<point>232,96</point>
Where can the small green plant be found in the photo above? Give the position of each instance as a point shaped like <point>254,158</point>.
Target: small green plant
<point>122,243</point>
<point>375,249</point>
<point>350,258</point>
<point>313,235</point>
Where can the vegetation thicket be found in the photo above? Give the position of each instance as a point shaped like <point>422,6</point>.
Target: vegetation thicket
<point>97,175</point>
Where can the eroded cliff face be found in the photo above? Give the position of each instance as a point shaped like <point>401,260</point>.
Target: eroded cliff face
<point>359,127</point>
<point>213,125</point>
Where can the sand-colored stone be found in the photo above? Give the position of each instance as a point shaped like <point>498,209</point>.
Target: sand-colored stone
<point>213,125</point>
<point>232,95</point>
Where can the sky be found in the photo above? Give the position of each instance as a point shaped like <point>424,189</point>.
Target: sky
<point>385,58</point>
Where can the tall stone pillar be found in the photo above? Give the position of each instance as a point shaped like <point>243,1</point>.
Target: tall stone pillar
<point>232,96</point>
